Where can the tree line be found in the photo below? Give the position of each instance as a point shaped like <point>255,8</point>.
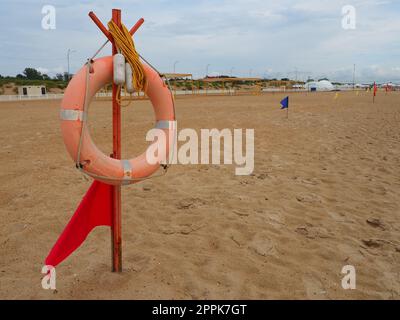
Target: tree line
<point>33,74</point>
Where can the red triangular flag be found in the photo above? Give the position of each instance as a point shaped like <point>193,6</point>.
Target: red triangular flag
<point>94,210</point>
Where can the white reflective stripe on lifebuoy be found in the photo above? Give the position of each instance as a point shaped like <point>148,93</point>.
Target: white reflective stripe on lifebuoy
<point>127,170</point>
<point>165,124</point>
<point>71,115</point>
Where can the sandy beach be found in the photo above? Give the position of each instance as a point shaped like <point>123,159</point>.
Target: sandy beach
<point>324,194</point>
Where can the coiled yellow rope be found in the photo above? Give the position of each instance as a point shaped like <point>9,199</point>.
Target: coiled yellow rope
<point>124,42</point>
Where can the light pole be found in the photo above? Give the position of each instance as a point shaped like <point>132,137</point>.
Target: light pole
<point>68,55</point>
<point>208,66</point>
<point>354,77</point>
<point>232,71</point>
<point>207,77</point>
<point>175,63</point>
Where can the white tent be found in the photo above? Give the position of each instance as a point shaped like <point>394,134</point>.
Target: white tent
<point>323,85</point>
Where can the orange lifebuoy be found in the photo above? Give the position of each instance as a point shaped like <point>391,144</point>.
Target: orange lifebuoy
<point>77,138</point>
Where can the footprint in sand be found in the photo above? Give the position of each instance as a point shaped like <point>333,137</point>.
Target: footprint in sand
<point>312,232</point>
<point>338,217</point>
<point>308,198</point>
<point>372,243</point>
<point>183,229</point>
<point>262,245</point>
<point>262,176</point>
<point>262,248</point>
<point>241,237</point>
<point>376,223</point>
<point>311,181</point>
<point>138,262</point>
<point>241,213</point>
<point>190,203</point>
<point>314,288</point>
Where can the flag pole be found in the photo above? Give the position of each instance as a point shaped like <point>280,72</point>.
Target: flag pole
<point>287,110</point>
<point>373,94</point>
<point>116,236</point>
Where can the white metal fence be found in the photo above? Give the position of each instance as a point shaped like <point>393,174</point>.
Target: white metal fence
<point>22,98</point>
<point>5,98</point>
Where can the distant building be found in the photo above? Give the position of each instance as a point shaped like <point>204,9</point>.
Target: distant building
<point>32,91</point>
<point>323,85</point>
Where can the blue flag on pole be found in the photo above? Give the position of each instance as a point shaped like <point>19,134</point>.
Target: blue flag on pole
<point>285,103</point>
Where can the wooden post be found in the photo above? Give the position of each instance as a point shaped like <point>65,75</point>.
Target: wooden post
<point>116,238</point>
<point>136,26</point>
<point>116,217</point>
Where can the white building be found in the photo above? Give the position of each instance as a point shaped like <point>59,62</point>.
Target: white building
<point>323,85</point>
<point>32,91</point>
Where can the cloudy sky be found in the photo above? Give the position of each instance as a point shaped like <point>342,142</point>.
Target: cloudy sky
<point>263,38</point>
